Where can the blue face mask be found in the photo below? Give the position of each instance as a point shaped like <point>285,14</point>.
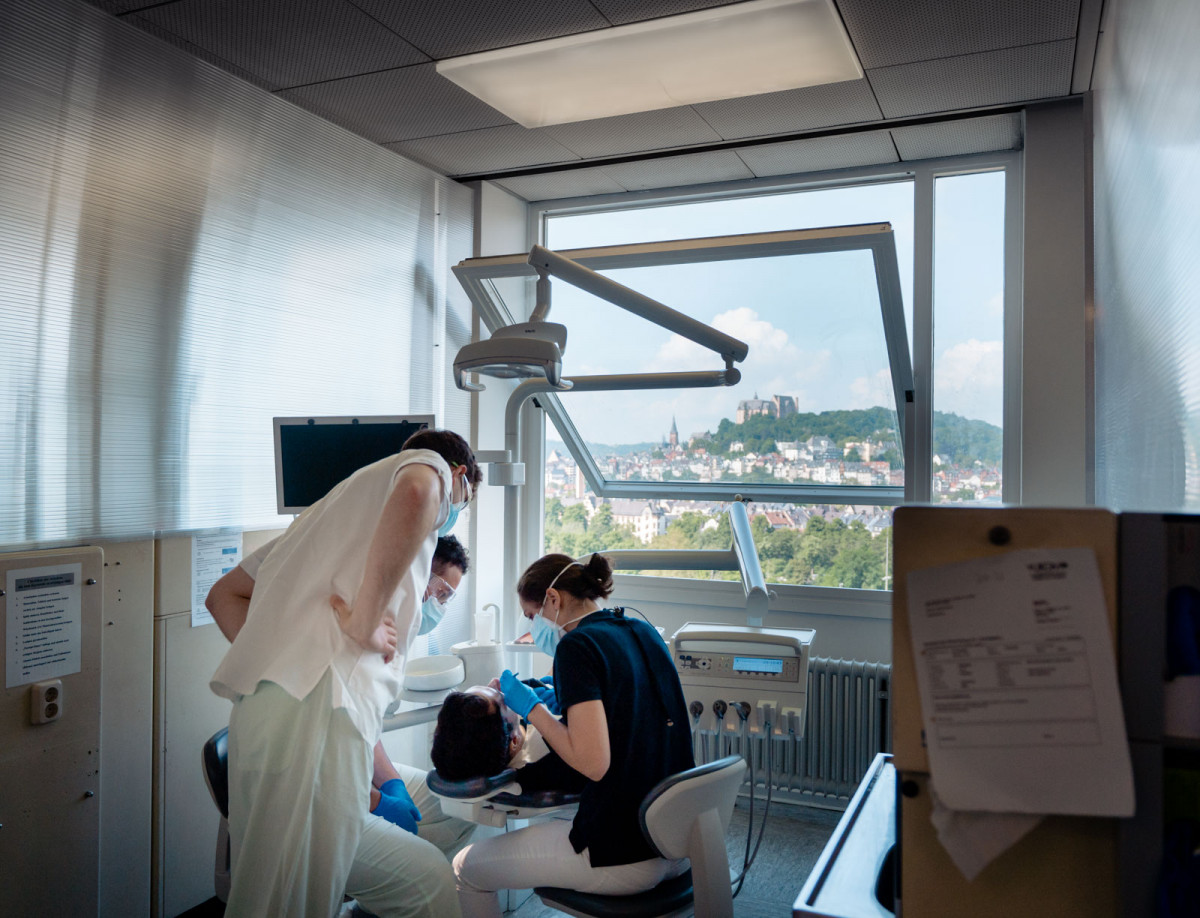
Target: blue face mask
<point>431,613</point>
<point>546,634</point>
<point>451,519</point>
<point>455,509</point>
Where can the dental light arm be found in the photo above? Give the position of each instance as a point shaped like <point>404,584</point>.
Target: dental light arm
<point>575,274</point>
<point>534,349</point>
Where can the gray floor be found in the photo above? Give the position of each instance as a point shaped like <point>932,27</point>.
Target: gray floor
<point>792,842</point>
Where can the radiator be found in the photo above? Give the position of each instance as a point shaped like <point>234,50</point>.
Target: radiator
<point>847,721</point>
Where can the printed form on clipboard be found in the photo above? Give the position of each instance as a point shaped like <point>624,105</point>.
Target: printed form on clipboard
<point>1018,684</point>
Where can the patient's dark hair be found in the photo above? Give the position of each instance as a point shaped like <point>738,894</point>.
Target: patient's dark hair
<point>471,739</point>
<point>450,551</point>
<point>590,578</point>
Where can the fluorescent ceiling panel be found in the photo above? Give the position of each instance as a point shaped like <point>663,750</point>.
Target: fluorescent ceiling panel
<point>740,50</point>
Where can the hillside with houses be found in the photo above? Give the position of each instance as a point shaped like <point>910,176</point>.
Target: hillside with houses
<point>769,441</point>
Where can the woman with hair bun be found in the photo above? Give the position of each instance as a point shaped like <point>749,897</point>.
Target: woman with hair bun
<point>624,727</point>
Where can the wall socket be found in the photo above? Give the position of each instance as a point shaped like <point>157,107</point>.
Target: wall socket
<point>46,701</point>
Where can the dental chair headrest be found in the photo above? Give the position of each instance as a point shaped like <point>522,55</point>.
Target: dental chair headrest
<point>469,788</point>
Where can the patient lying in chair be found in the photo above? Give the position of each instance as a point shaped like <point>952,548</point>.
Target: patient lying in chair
<point>477,735</point>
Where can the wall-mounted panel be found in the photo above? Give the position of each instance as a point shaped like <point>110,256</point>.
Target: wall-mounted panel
<point>186,256</point>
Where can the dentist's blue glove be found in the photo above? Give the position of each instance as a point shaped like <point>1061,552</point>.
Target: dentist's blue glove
<point>517,695</point>
<point>396,806</point>
<point>544,689</point>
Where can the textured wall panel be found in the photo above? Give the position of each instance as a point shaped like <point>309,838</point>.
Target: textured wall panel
<point>921,30</point>
<point>186,256</point>
<point>1147,332</point>
<point>974,80</point>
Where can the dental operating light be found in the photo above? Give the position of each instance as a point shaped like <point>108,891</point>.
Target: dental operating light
<point>534,349</point>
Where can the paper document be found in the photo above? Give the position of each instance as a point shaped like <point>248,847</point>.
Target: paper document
<point>213,556</point>
<point>1018,684</point>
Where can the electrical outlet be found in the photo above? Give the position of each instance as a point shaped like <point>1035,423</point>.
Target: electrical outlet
<point>46,701</point>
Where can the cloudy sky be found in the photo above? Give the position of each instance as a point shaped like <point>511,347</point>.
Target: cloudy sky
<point>812,322</point>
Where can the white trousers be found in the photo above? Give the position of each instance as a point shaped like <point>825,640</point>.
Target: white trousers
<point>299,794</point>
<point>541,855</point>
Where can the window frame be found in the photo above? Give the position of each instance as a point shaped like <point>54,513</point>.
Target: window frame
<point>918,435</point>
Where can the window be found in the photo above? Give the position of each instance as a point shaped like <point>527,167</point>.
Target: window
<point>815,431</point>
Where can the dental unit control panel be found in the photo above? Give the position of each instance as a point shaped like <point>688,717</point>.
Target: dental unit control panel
<point>735,674</point>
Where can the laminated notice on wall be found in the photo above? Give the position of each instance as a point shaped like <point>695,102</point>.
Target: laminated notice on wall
<point>213,556</point>
<point>1018,684</point>
<point>44,621</point>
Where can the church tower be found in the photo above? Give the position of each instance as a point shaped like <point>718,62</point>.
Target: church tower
<point>673,437</point>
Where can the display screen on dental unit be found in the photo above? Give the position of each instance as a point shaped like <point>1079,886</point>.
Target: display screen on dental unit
<point>757,665</point>
<point>312,454</point>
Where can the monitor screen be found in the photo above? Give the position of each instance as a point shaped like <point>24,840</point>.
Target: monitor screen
<point>314,454</point>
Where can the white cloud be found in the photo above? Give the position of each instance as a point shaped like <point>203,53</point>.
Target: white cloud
<point>969,380</point>
<point>870,391</point>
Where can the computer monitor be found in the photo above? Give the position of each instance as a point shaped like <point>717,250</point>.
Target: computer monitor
<point>313,454</point>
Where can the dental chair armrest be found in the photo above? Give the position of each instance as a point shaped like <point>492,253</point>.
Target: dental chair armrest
<point>542,799</point>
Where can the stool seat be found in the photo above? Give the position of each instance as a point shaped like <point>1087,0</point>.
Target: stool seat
<point>666,898</point>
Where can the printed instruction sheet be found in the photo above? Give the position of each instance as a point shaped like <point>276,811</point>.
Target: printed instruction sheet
<point>1018,684</point>
<point>44,623</point>
<point>213,556</point>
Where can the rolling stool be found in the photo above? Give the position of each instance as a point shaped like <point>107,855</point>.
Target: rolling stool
<point>685,815</point>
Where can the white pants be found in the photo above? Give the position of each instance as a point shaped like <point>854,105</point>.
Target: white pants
<point>541,855</point>
<point>396,873</point>
<point>299,794</point>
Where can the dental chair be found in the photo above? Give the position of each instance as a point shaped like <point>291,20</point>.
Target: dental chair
<point>215,757</point>
<point>495,799</point>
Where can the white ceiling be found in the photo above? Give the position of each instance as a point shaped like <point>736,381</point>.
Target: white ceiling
<point>942,77</point>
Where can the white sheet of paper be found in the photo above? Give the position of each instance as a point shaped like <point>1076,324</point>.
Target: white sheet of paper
<point>44,622</point>
<point>213,556</point>
<point>1018,684</point>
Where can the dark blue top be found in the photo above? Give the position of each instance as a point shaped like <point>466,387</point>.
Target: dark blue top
<point>625,664</point>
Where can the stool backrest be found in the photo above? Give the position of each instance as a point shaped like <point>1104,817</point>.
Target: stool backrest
<point>216,769</point>
<point>672,808</point>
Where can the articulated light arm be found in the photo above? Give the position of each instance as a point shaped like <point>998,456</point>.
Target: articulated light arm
<point>586,279</point>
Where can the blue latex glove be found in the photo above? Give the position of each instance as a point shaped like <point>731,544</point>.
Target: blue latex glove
<point>517,695</point>
<point>545,694</point>
<point>396,806</point>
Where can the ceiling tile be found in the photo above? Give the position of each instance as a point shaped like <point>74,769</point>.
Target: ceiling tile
<point>688,169</point>
<point>820,154</point>
<point>442,29</point>
<point>287,42</point>
<point>959,138</point>
<point>170,38</point>
<point>620,12</point>
<point>919,30</point>
<point>574,183</point>
<point>397,105</point>
<point>974,80</point>
<point>806,109</point>
<point>663,129</point>
<point>488,150</point>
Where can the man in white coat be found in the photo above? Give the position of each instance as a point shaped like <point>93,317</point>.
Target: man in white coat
<point>319,658</point>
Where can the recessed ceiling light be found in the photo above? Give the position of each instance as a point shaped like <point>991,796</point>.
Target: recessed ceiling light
<point>743,49</point>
